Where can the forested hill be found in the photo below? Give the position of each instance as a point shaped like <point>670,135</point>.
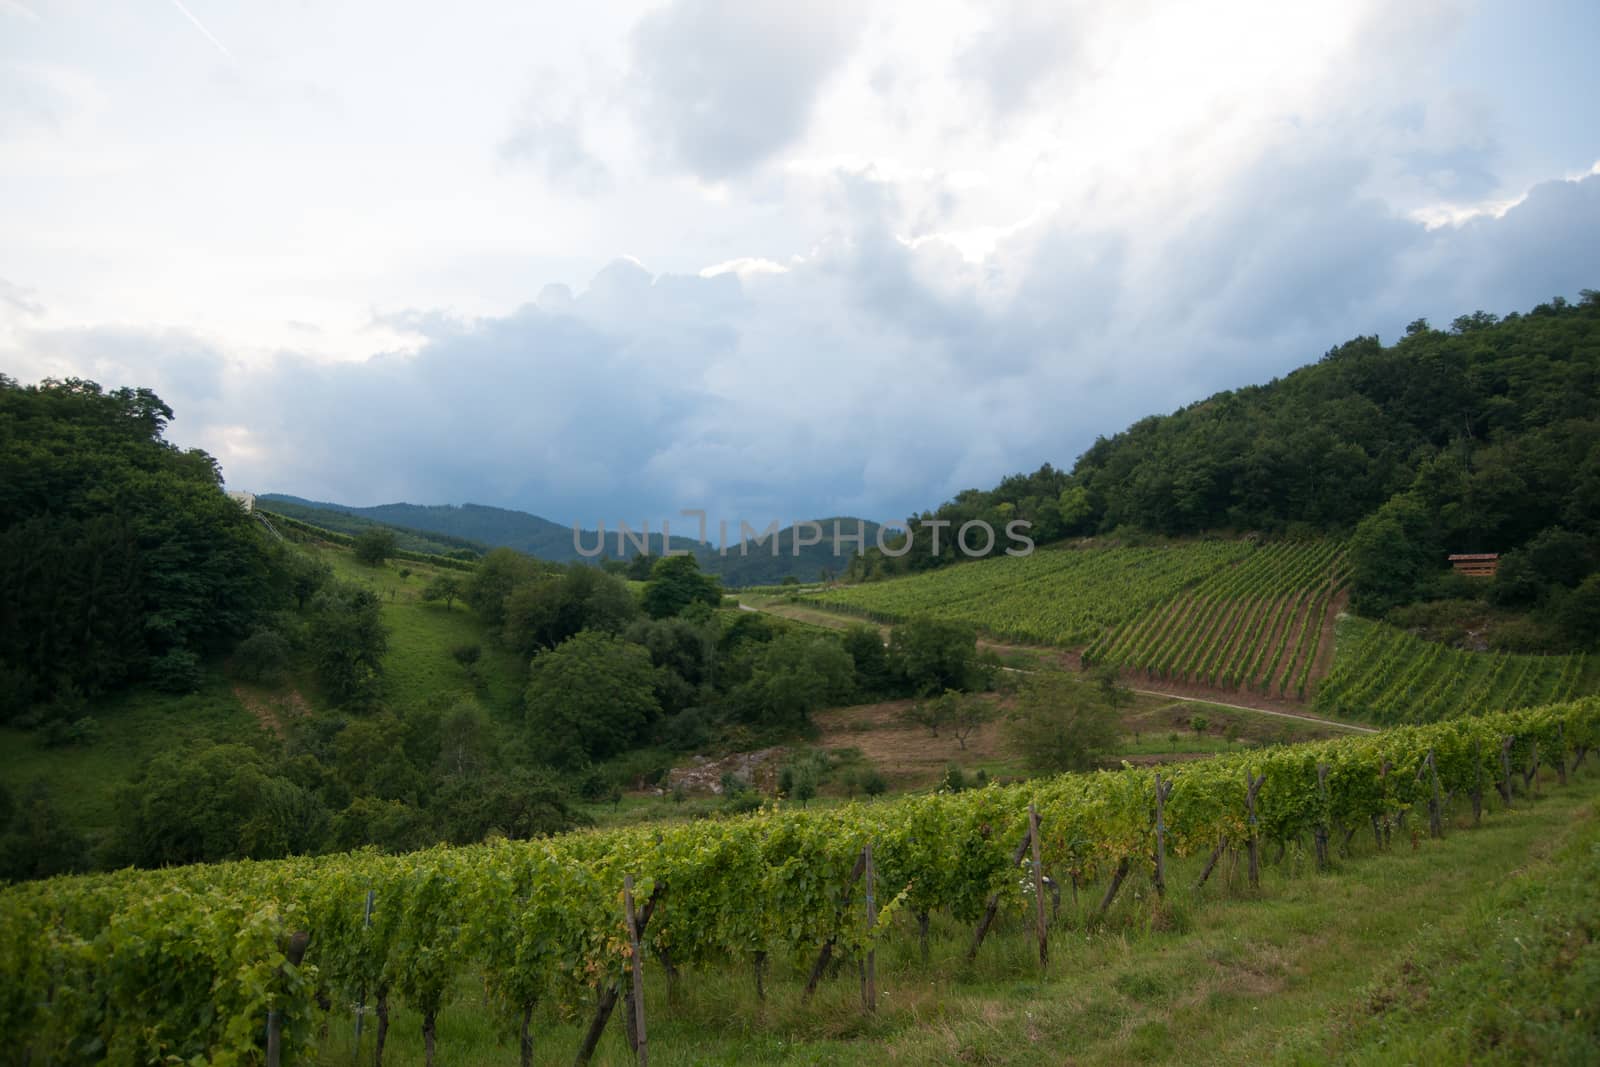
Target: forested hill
<point>479,525</point>
<point>1498,420</point>
<point>1492,425</point>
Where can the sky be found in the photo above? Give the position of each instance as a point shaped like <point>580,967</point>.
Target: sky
<point>771,260</point>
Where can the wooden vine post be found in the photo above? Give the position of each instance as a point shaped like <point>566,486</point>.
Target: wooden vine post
<point>869,965</point>
<point>611,993</point>
<point>1561,754</point>
<point>1477,782</point>
<point>1322,817</point>
<point>1435,802</point>
<point>361,1000</point>
<point>1040,928</point>
<point>994,899</point>
<point>642,1048</point>
<point>1505,769</point>
<point>1163,789</point>
<point>1380,827</point>
<point>1253,784</point>
<point>1116,883</point>
<point>1211,864</point>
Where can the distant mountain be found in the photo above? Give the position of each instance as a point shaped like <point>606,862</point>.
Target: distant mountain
<point>759,566</point>
<point>334,517</point>
<point>480,525</point>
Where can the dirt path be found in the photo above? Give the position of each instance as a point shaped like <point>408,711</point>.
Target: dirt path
<point>1319,720</point>
<point>271,709</point>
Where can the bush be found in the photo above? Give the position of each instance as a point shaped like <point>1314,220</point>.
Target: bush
<point>1526,634</point>
<point>874,784</point>
<point>59,733</point>
<point>954,780</point>
<point>262,657</point>
<point>1449,621</point>
<point>176,672</point>
<point>467,655</point>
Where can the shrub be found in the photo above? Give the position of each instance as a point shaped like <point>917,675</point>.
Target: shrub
<point>176,672</point>
<point>262,657</point>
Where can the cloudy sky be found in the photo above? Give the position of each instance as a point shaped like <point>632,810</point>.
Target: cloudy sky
<point>773,260</point>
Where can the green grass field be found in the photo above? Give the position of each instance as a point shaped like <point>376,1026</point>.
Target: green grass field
<point>1478,948</point>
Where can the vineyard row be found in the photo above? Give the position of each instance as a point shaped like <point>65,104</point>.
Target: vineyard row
<point>209,961</point>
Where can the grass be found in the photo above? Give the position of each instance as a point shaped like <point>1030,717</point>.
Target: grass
<point>1478,947</point>
<point>132,726</point>
<point>419,669</point>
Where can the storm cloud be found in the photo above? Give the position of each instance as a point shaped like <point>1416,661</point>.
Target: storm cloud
<point>765,261</point>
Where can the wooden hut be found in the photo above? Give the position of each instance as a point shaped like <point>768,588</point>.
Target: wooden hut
<point>1476,564</point>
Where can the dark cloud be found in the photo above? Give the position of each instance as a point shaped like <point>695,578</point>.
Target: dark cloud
<point>720,85</point>
<point>872,377</point>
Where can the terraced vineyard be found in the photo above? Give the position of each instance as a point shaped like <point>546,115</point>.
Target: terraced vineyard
<point>1388,675</point>
<point>1257,626</point>
<point>1050,597</point>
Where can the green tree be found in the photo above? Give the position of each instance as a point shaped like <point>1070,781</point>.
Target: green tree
<point>1109,683</point>
<point>520,805</point>
<point>544,612</point>
<point>590,698</point>
<point>389,825</point>
<point>348,639</point>
<point>675,583</point>
<point>445,587</point>
<point>935,655</point>
<point>1060,725</point>
<point>874,676</point>
<point>499,572</point>
<point>1391,555</point>
<point>967,713</point>
<point>795,675</point>
<point>369,758</point>
<point>374,546</point>
<point>1579,613</point>
<point>214,802</point>
<point>302,574</point>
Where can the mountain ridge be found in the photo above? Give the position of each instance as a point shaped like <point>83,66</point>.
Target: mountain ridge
<point>495,527</point>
